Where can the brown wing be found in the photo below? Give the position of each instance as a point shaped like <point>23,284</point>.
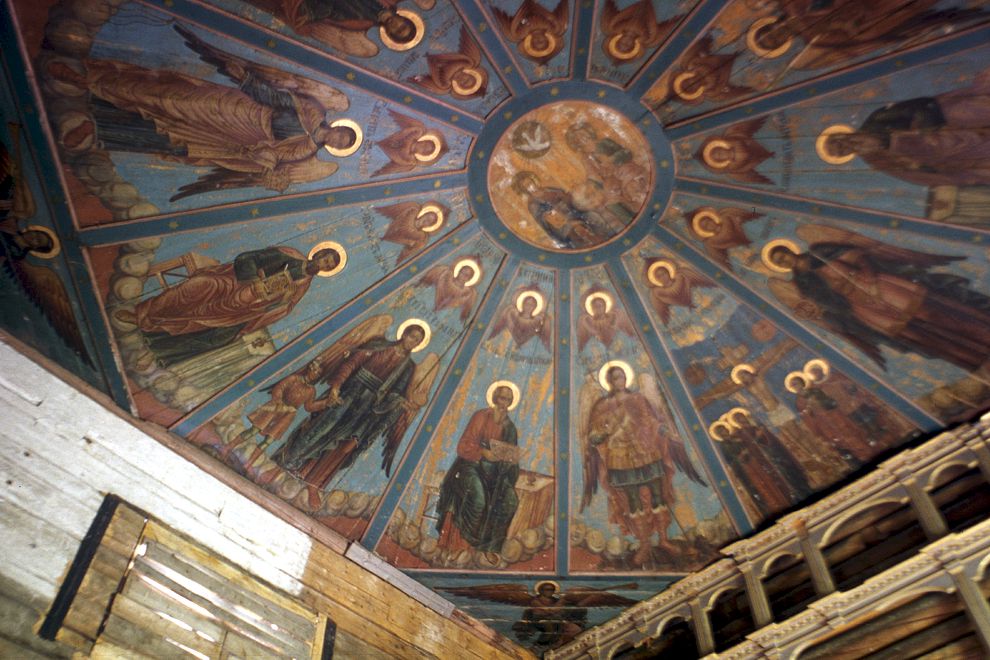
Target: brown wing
<point>749,176</point>
<point>611,17</point>
<point>813,234</point>
<point>745,129</point>
<point>510,594</point>
<point>591,597</point>
<point>545,331</point>
<point>593,468</point>
<point>502,321</point>
<point>507,25</point>
<point>585,331</point>
<point>435,275</point>
<point>559,17</point>
<point>623,323</point>
<point>401,229</point>
<point>469,48</point>
<point>45,289</point>
<point>402,121</point>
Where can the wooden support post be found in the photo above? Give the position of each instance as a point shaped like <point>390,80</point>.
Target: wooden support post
<point>976,606</point>
<point>931,519</point>
<point>821,578</point>
<point>702,628</point>
<point>758,603</point>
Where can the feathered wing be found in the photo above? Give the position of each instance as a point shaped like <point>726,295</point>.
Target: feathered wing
<point>509,594</point>
<point>241,70</point>
<point>506,24</point>
<point>45,288</point>
<point>611,17</point>
<point>545,331</point>
<point>675,448</point>
<point>560,14</point>
<point>502,320</point>
<point>584,331</point>
<point>591,597</point>
<point>593,468</point>
<point>330,359</point>
<point>823,234</point>
<point>745,129</point>
<point>352,42</point>
<point>404,122</point>
<point>434,276</point>
<point>417,395</point>
<point>284,174</point>
<point>469,48</point>
<point>400,229</point>
<point>751,175</point>
<point>623,323</point>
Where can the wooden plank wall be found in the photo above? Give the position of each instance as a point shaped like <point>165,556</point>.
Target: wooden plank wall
<point>62,451</point>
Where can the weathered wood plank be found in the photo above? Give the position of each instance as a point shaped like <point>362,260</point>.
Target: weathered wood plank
<point>150,621</point>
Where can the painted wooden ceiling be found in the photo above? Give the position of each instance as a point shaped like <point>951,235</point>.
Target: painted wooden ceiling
<point>676,266</point>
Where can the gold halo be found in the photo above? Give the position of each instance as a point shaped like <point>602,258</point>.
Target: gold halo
<point>699,216</point>
<point>817,362</point>
<point>739,368</point>
<point>429,137</point>
<point>392,44</point>
<point>613,50</point>
<point>603,373</point>
<point>791,376</point>
<point>760,50</point>
<point>769,247</point>
<point>535,295</point>
<point>651,272</point>
<point>706,154</point>
<point>503,383</point>
<point>678,85</point>
<point>359,138</point>
<point>821,144</point>
<point>475,86</point>
<point>718,422</point>
<point>539,584</point>
<point>473,264</point>
<point>598,294</point>
<point>336,247</point>
<point>427,333</point>
<point>50,233</point>
<point>527,45</point>
<point>730,416</point>
<point>431,208</point>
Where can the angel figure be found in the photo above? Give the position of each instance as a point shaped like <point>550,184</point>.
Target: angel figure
<point>412,224</point>
<point>736,153</point>
<point>552,617</point>
<point>344,26</point>
<point>700,75</point>
<point>412,146</point>
<point>842,30</point>
<point>631,448</point>
<point>459,74</point>
<point>454,286</point>
<point>525,319</point>
<point>720,230</point>
<point>672,285</point>
<point>266,131</point>
<point>537,32</point>
<point>375,391</point>
<point>600,320</point>
<point>632,32</point>
<point>19,248</point>
<point>872,294</point>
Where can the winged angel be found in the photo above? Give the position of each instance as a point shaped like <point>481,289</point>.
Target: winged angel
<point>552,617</point>
<point>634,31</point>
<point>459,74</point>
<point>411,225</point>
<point>631,448</point>
<point>266,131</point>
<point>525,319</point>
<point>872,294</point>
<point>375,390</point>
<point>720,230</point>
<point>736,152</point>
<point>40,283</point>
<point>538,32</point>
<point>672,285</point>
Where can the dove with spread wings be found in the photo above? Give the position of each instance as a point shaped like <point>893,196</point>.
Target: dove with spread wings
<point>537,32</point>
<point>267,130</point>
<point>552,617</point>
<point>375,390</point>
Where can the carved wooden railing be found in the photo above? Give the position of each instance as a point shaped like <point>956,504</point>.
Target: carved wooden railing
<point>817,540</point>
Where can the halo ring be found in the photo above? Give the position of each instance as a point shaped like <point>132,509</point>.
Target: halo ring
<point>770,246</point>
<point>535,295</point>
<point>731,416</point>
<point>490,394</point>
<point>651,272</point>
<point>432,208</point>
<point>346,151</point>
<point>50,233</point>
<point>427,332</point>
<point>789,378</point>
<point>718,422</point>
<point>707,154</point>
<point>336,247</point>
<point>598,295</point>
<point>678,86</point>
<point>435,141</point>
<point>474,87</point>
<point>821,144</point>
<point>817,362</point>
<point>624,55</point>
<point>603,373</point>
<point>736,370</point>
<point>701,215</point>
<point>528,45</point>
<point>473,264</point>
<point>417,22</point>
<point>766,53</point>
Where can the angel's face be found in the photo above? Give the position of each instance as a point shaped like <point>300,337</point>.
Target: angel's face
<point>412,337</point>
<point>528,306</point>
<point>313,371</point>
<point>399,28</point>
<point>598,307</point>
<point>464,275</point>
<point>337,137</point>
<point>35,240</point>
<point>616,379</point>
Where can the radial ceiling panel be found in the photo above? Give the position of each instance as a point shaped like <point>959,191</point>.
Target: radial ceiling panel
<point>543,302</point>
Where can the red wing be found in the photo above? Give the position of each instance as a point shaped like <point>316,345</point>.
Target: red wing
<point>611,15</point>
<point>510,594</point>
<point>661,305</point>
<point>469,299</point>
<point>750,176</point>
<point>506,24</point>
<point>589,597</point>
<point>559,16</point>
<point>745,129</point>
<point>435,275</point>
<point>406,122</point>
<point>623,323</point>
<point>502,321</point>
<point>468,47</point>
<point>545,332</point>
<point>584,331</point>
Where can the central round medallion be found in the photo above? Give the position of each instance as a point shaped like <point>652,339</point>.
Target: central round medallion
<point>570,176</point>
